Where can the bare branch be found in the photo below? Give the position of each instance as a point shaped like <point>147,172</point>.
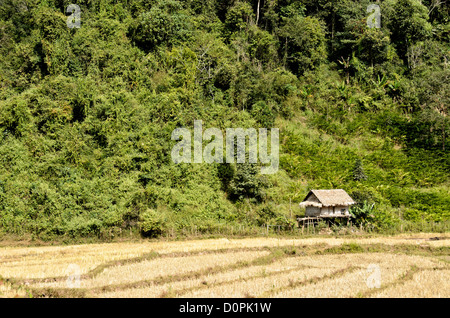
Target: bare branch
<point>435,4</point>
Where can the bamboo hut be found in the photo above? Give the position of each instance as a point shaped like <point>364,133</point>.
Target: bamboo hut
<point>326,204</point>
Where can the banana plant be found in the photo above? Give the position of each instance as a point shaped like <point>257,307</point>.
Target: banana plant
<point>346,65</point>
<point>362,213</point>
<point>381,82</point>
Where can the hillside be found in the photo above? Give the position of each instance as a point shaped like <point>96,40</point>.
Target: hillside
<point>87,113</point>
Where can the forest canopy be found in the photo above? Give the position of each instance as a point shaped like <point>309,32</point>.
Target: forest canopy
<point>86,113</point>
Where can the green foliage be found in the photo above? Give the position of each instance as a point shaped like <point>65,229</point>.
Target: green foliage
<point>152,224</point>
<point>246,183</point>
<point>351,248</point>
<point>363,213</point>
<point>165,23</point>
<point>262,46</point>
<point>373,46</point>
<point>239,16</point>
<point>86,114</point>
<point>408,22</point>
<point>225,173</point>
<point>304,44</point>
<point>263,114</point>
<point>358,171</point>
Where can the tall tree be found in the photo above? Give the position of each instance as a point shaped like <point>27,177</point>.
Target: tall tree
<point>304,42</point>
<point>408,22</point>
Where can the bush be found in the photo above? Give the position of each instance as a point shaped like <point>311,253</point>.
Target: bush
<point>164,23</point>
<point>239,16</point>
<point>265,214</point>
<point>263,114</point>
<point>305,40</point>
<point>246,183</point>
<point>152,224</point>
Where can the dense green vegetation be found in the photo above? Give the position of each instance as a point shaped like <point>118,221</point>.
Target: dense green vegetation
<point>86,114</point>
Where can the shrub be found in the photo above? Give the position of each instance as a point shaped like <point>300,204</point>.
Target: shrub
<point>152,224</point>
<point>164,23</point>
<point>263,114</point>
<point>246,183</point>
<point>358,171</point>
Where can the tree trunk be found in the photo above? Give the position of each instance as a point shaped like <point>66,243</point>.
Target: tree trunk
<point>257,12</point>
<point>285,52</point>
<point>333,22</point>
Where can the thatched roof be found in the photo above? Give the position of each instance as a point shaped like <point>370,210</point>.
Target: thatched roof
<point>327,198</point>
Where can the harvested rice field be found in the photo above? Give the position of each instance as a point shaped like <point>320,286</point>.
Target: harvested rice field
<point>415,265</point>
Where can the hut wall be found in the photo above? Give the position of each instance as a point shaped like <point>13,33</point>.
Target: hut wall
<point>341,209</point>
<point>312,198</point>
<point>312,211</point>
<point>326,210</point>
<point>334,210</point>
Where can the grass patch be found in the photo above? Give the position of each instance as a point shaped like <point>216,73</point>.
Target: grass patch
<point>344,248</point>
